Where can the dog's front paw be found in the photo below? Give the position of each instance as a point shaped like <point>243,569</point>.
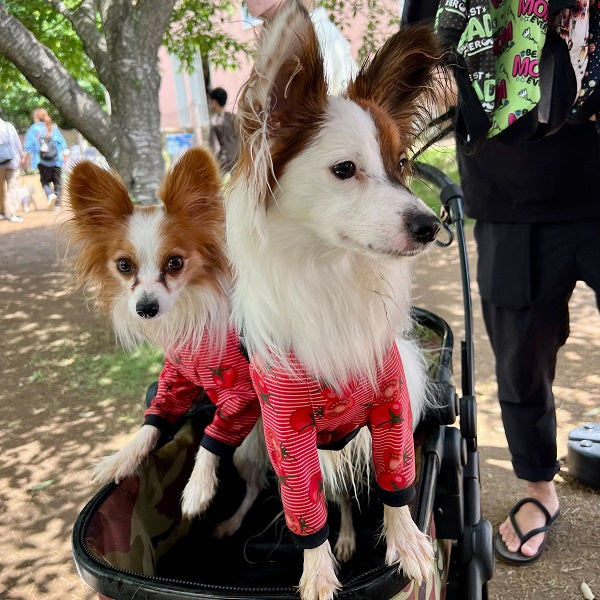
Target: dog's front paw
<point>194,500</point>
<point>319,580</point>
<point>124,463</point>
<point>416,558</point>
<point>407,545</point>
<point>345,547</point>
<point>202,485</point>
<point>113,468</point>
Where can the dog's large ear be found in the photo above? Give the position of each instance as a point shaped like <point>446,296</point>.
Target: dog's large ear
<point>192,186</point>
<point>97,196</point>
<point>285,94</point>
<point>399,78</point>
<point>288,73</point>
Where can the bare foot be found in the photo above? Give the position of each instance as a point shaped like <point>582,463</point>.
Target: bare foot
<point>530,517</point>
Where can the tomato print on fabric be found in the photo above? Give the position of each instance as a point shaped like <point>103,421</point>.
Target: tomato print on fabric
<point>301,414</point>
<point>224,376</point>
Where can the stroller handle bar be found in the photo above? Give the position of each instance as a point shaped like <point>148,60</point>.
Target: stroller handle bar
<point>451,198</point>
<point>448,189</point>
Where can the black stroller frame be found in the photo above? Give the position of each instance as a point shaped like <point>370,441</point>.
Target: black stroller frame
<point>458,489</point>
<point>448,487</point>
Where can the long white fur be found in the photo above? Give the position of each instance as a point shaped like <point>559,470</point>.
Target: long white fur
<point>406,545</point>
<point>202,484</point>
<point>325,272</point>
<point>319,580</point>
<point>314,255</point>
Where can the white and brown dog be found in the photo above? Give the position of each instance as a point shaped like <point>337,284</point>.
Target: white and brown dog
<point>161,273</point>
<point>321,232</point>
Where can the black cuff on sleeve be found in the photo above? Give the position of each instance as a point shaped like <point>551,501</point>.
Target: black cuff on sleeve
<point>160,423</point>
<point>399,497</point>
<point>313,540</point>
<point>217,447</point>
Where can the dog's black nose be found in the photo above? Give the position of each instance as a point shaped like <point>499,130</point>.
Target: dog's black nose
<point>147,307</point>
<point>423,227</point>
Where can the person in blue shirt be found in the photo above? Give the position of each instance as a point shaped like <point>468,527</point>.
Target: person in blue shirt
<point>44,150</point>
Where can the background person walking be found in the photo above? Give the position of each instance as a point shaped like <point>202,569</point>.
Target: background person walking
<point>223,134</point>
<point>44,147</point>
<point>11,154</point>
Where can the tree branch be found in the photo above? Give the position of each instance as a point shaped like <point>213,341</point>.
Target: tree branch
<point>154,17</point>
<point>83,20</point>
<point>45,72</point>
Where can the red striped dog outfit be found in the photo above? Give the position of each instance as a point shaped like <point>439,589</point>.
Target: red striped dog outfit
<point>224,376</point>
<point>301,414</point>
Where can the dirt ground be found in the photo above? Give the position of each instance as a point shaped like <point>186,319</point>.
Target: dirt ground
<point>49,433</point>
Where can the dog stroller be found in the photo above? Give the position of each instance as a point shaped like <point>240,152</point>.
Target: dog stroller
<point>130,540</point>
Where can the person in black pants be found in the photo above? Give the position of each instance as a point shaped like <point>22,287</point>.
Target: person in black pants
<point>537,206</point>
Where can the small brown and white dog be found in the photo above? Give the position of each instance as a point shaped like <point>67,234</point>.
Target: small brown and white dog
<point>161,274</point>
<point>321,232</point>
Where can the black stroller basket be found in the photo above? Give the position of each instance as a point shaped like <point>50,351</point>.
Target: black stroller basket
<point>130,540</point>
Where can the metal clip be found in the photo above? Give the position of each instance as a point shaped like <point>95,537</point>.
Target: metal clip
<point>449,233</point>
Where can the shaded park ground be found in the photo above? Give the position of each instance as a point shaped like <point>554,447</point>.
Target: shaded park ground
<point>61,413</point>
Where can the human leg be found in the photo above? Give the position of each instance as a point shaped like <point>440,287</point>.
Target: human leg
<point>46,179</point>
<point>525,308</point>
<point>11,199</point>
<point>57,184</point>
<point>584,238</point>
<point>3,192</point>
<point>525,344</point>
<point>528,414</point>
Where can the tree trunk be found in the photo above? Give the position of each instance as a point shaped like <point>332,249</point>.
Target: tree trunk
<point>133,35</point>
<point>125,54</point>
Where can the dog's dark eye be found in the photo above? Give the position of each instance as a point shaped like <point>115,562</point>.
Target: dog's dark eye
<point>175,263</point>
<point>124,265</point>
<point>402,163</point>
<point>344,170</point>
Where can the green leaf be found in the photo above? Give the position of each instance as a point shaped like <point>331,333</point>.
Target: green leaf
<point>40,486</point>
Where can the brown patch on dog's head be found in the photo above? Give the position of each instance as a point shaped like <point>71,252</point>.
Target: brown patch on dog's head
<point>284,99</point>
<point>96,196</point>
<point>191,193</point>
<point>397,89</point>
<point>101,208</point>
<point>393,140</point>
<point>400,72</point>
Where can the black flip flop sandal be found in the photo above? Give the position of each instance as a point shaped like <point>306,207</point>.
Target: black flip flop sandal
<point>516,558</point>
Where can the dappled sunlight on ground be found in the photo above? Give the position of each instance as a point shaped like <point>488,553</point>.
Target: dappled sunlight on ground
<point>54,427</point>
